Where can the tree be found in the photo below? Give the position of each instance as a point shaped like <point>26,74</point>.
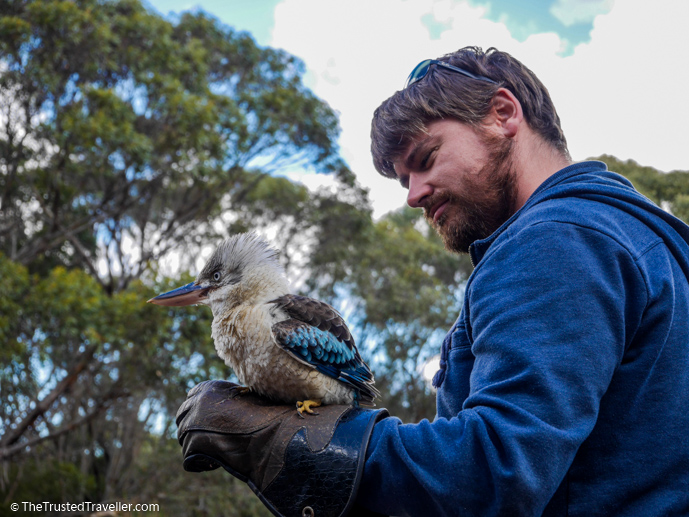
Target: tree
<point>122,137</point>
<point>79,362</point>
<point>669,190</point>
<point>122,134</point>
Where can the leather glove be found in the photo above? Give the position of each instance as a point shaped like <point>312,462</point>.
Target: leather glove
<point>297,466</point>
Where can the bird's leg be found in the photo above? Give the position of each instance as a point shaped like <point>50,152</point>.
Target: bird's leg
<point>306,405</point>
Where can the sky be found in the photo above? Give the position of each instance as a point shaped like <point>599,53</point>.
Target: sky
<point>617,70</point>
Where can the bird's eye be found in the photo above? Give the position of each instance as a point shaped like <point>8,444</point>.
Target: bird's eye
<point>216,276</point>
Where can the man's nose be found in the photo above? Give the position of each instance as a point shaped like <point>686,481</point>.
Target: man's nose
<point>419,189</point>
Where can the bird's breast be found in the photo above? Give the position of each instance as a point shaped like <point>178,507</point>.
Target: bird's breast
<point>241,335</point>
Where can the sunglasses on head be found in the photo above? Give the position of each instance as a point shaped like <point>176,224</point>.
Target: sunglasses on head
<point>421,70</point>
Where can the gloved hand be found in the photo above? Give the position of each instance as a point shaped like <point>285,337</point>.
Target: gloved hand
<point>297,466</point>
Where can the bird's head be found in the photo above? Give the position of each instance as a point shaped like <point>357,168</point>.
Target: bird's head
<point>243,269</point>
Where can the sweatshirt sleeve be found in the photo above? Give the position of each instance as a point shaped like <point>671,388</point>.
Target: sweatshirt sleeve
<point>548,315</point>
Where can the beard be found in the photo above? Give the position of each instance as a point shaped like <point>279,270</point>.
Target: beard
<point>481,203</point>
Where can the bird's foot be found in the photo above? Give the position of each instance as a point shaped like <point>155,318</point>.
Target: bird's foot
<point>306,405</point>
<point>238,391</point>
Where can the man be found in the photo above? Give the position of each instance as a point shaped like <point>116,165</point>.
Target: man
<point>564,383</point>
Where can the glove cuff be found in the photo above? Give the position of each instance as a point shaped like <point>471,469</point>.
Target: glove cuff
<point>323,482</point>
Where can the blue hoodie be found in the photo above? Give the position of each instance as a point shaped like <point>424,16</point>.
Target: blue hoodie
<point>564,383</point>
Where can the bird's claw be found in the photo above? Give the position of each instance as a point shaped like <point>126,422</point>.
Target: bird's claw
<point>240,390</point>
<point>306,406</point>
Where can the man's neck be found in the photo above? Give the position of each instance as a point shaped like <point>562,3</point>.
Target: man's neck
<point>534,162</point>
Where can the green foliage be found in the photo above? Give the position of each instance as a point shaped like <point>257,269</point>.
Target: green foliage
<point>407,292</point>
<point>121,129</point>
<point>410,271</point>
<point>669,190</point>
<point>122,137</point>
<point>15,286</point>
<point>67,310</point>
<point>48,480</point>
<point>139,368</point>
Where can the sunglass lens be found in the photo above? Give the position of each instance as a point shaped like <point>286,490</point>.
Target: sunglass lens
<point>419,72</point>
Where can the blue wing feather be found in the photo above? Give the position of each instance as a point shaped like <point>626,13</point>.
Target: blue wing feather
<point>326,353</point>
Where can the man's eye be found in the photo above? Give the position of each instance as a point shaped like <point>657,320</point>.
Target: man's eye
<point>424,162</point>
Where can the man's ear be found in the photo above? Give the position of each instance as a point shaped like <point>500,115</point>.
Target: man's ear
<point>506,113</point>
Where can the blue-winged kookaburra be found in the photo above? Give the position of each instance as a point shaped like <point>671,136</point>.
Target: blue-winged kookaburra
<point>286,347</point>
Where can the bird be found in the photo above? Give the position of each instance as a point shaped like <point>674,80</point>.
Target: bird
<point>286,347</point>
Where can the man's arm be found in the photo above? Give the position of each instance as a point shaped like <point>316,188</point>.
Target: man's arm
<point>549,315</point>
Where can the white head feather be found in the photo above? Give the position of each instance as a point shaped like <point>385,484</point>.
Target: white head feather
<point>244,269</point>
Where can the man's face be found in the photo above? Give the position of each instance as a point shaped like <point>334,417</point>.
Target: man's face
<point>462,178</point>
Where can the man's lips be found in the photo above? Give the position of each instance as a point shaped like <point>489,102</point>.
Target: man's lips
<point>437,210</point>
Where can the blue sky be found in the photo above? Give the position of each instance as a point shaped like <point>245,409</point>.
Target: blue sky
<point>254,16</point>
<point>616,69</point>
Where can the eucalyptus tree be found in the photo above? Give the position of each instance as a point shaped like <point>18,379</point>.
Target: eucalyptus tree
<point>122,135</point>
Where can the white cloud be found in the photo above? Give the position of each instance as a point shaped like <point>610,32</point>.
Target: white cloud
<point>629,97</point>
<point>621,93</point>
<point>570,12</point>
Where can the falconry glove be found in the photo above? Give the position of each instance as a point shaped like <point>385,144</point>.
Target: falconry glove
<point>297,466</point>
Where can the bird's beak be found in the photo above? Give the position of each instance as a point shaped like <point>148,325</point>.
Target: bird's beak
<point>189,294</point>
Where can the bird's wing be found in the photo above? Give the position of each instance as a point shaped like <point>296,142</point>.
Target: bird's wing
<point>316,313</point>
<point>317,336</point>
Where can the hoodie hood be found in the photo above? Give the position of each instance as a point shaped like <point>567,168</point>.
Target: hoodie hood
<point>593,181</point>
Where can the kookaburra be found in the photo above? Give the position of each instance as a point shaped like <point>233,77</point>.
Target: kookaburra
<point>286,347</point>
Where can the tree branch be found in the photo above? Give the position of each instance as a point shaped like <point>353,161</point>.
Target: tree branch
<point>13,435</point>
<point>13,450</point>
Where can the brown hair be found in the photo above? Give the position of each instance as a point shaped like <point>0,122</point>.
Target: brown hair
<point>446,94</point>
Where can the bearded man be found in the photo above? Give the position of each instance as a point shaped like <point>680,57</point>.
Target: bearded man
<point>564,383</point>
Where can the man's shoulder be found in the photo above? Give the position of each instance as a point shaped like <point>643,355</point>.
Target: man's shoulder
<point>612,220</point>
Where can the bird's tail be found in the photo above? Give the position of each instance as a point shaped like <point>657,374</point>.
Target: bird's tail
<point>366,398</point>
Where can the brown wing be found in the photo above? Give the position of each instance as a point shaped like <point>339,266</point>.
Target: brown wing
<point>316,313</point>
